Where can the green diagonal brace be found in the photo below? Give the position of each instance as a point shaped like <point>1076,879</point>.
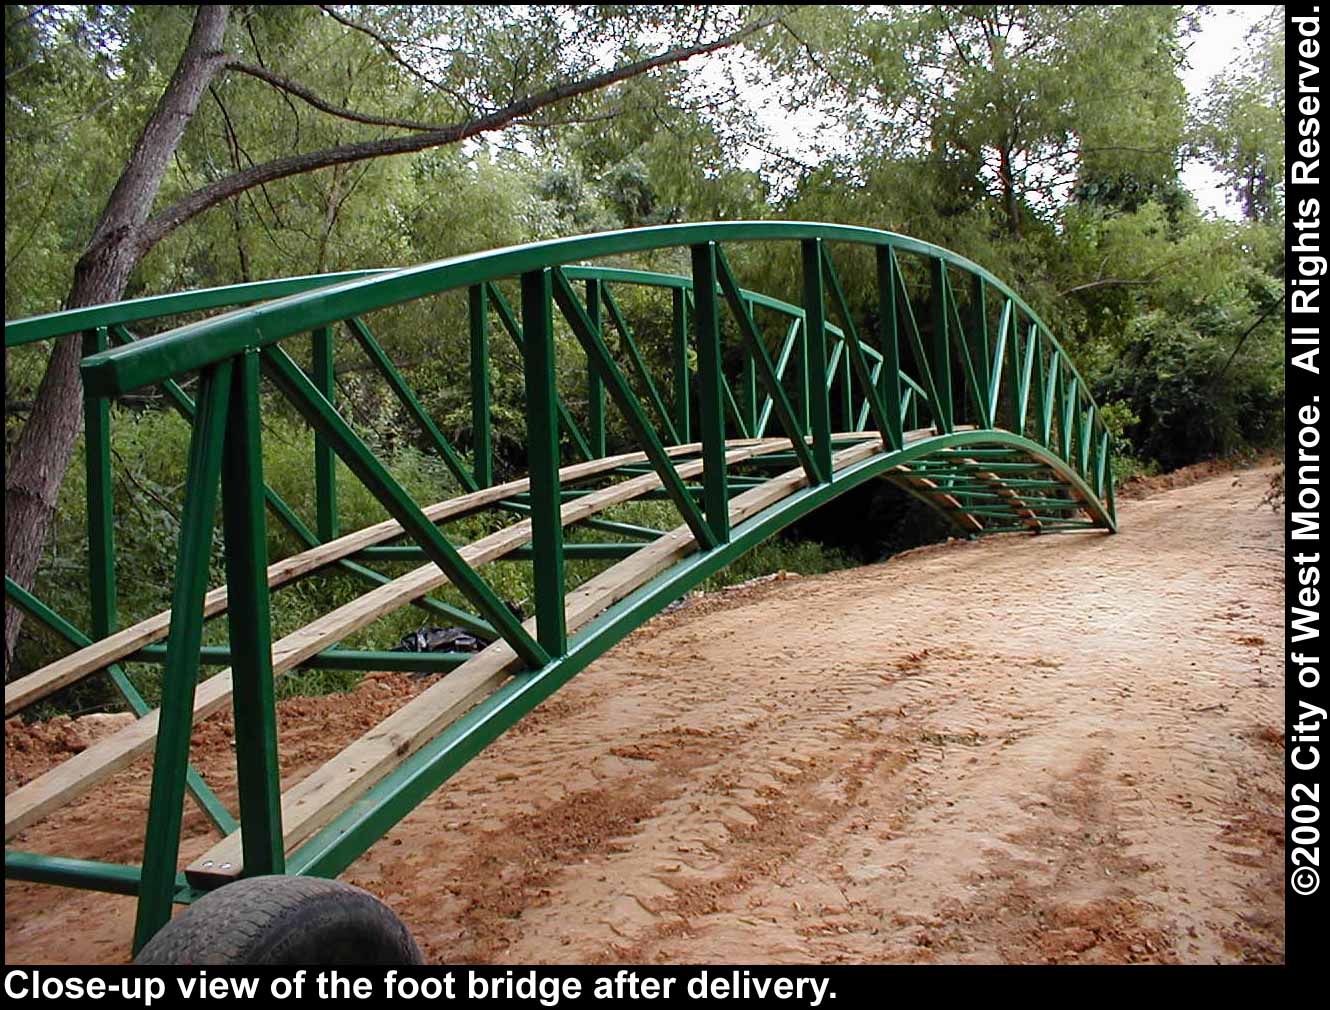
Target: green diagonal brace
<point>881,416</point>
<point>626,400</point>
<point>320,414</point>
<point>184,404</point>
<point>208,802</point>
<point>408,399</point>
<point>629,343</point>
<point>514,329</point>
<point>963,341</point>
<point>766,372</point>
<point>161,847</point>
<point>902,300</point>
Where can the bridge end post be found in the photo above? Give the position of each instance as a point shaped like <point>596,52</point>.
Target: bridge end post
<point>161,847</point>
<point>249,623</point>
<point>98,485</point>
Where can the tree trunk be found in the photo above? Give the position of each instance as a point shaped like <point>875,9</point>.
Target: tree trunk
<point>125,233</point>
<point>1010,205</point>
<point>43,451</point>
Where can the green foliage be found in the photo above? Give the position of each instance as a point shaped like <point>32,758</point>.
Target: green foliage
<point>1189,408</point>
<point>1118,418</point>
<point>1041,141</point>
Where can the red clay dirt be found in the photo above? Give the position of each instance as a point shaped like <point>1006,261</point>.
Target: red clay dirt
<point>1023,749</point>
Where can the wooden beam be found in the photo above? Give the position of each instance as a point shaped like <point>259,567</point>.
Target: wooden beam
<point>71,779</point>
<point>86,661</point>
<point>317,800</point>
<point>927,491</point>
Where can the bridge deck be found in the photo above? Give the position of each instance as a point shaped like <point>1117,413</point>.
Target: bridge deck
<point>83,771</point>
<point>315,801</point>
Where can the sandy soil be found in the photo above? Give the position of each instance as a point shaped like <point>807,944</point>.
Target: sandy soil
<point>1023,749</point>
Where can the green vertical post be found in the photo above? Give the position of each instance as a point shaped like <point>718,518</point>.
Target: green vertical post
<point>889,378</point>
<point>250,624</point>
<point>846,390</point>
<point>979,330</point>
<point>325,463</point>
<point>941,344</point>
<point>817,401</point>
<point>710,377</point>
<point>482,445</point>
<point>595,386</point>
<point>161,847</point>
<point>542,432</point>
<point>682,393</point>
<point>750,392</point>
<point>101,511</point>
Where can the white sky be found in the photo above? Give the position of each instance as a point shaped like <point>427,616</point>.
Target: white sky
<point>1218,44</point>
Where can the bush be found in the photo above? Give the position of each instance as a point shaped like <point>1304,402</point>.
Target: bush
<point>1188,401</point>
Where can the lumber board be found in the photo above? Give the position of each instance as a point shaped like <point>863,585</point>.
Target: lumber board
<point>924,487</point>
<point>322,796</point>
<point>86,661</point>
<point>80,773</point>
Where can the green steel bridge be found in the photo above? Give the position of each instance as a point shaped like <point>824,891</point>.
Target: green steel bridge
<point>957,392</point>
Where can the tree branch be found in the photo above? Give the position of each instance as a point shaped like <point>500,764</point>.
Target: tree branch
<point>200,200</point>
<point>1243,339</point>
<point>389,46</point>
<point>1109,282</point>
<point>305,95</point>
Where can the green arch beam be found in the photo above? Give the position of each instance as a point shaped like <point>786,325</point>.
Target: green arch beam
<point>984,417</point>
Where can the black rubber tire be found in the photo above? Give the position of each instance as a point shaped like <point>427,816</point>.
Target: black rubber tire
<point>284,920</point>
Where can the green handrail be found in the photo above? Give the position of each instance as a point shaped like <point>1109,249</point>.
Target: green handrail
<point>196,345</point>
<point>135,310</point>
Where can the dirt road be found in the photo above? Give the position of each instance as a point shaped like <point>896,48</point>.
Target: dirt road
<point>1063,748</point>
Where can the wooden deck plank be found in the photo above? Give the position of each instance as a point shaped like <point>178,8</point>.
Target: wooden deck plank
<point>86,661</point>
<point>318,799</point>
<point>74,777</point>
